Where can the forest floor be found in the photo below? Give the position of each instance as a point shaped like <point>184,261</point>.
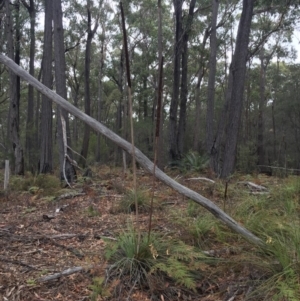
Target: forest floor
<point>41,236</point>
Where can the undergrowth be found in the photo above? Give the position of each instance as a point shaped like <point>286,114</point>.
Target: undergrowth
<point>147,263</point>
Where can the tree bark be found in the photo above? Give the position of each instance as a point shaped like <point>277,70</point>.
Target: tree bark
<point>212,78</point>
<point>46,156</point>
<point>66,168</point>
<point>184,80</point>
<point>238,72</point>
<point>87,97</point>
<point>13,118</point>
<point>140,157</point>
<point>100,93</point>
<point>202,69</point>
<point>160,141</point>
<point>173,150</point>
<point>261,104</point>
<point>30,129</point>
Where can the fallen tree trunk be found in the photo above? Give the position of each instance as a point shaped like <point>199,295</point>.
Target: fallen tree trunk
<point>140,157</point>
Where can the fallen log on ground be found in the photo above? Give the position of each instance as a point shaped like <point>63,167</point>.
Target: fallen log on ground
<point>140,157</point>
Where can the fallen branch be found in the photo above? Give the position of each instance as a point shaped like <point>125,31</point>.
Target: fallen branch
<point>201,179</point>
<point>252,185</point>
<point>66,272</point>
<point>139,156</point>
<point>69,195</point>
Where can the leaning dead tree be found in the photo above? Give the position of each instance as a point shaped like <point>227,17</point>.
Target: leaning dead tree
<point>140,157</point>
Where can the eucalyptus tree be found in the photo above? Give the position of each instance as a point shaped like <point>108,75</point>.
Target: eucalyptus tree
<point>46,153</point>
<point>212,76</point>
<point>30,146</point>
<point>236,87</point>
<point>184,78</point>
<point>14,95</point>
<point>173,148</point>
<point>87,95</point>
<point>65,155</point>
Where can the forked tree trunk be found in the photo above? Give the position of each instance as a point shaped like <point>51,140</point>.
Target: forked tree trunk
<point>140,157</point>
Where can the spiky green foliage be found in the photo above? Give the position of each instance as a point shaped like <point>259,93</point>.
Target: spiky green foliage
<point>192,161</point>
<point>140,259</point>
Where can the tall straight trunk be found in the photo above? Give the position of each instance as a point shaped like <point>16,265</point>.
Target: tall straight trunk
<point>46,153</point>
<point>18,48</point>
<point>160,142</point>
<point>260,121</point>
<point>65,155</point>
<point>201,72</point>
<point>238,72</point>
<point>184,80</point>
<point>173,151</point>
<point>273,114</point>
<point>212,78</point>
<point>13,118</point>
<point>87,96</point>
<point>100,97</point>
<point>119,112</point>
<point>30,128</point>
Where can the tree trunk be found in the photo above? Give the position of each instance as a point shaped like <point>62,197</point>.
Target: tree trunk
<point>46,156</point>
<point>100,98</point>
<point>87,96</point>
<point>140,157</point>
<point>13,118</point>
<point>173,151</point>
<point>201,72</point>
<point>212,78</point>
<point>184,81</point>
<point>66,168</point>
<point>260,121</point>
<point>160,141</point>
<point>119,112</point>
<point>30,128</point>
<point>238,72</point>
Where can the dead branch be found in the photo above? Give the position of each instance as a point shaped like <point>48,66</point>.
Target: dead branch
<point>252,185</point>
<point>201,179</point>
<point>66,272</point>
<point>69,195</point>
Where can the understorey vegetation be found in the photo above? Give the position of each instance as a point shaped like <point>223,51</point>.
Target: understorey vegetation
<point>87,243</point>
